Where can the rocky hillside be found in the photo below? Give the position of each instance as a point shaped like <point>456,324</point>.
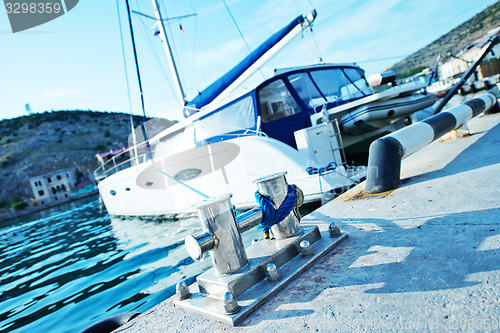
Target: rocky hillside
<point>41,143</point>
<point>450,43</point>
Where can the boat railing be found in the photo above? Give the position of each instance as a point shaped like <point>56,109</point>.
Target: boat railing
<point>251,132</point>
<point>232,135</point>
<point>128,157</point>
<point>121,161</point>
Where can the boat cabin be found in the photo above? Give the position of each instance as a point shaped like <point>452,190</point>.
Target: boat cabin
<point>284,103</point>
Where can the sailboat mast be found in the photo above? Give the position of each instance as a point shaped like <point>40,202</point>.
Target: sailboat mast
<point>170,57</point>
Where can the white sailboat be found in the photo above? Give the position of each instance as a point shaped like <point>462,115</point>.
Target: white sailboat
<point>294,121</point>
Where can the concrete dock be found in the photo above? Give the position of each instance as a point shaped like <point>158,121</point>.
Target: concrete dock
<point>423,257</point>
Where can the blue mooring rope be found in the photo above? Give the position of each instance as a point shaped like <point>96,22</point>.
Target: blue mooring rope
<point>313,171</point>
<point>270,216</point>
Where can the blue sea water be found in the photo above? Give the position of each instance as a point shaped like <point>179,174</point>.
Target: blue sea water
<point>64,269</point>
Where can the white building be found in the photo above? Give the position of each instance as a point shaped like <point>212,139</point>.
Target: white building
<point>463,60</point>
<point>52,187</point>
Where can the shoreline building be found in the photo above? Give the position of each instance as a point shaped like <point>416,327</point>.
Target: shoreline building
<point>53,187</point>
<point>459,63</point>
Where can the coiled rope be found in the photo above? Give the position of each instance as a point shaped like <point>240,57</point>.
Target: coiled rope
<point>271,216</point>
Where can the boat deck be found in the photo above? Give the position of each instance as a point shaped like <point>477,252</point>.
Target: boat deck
<point>424,257</point>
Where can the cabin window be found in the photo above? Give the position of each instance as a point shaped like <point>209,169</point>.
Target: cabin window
<point>41,193</point>
<point>230,119</point>
<point>357,86</point>
<point>276,102</point>
<point>340,85</point>
<point>330,82</point>
<point>58,177</point>
<point>306,89</point>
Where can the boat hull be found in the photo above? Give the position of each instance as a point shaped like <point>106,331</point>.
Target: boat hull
<point>149,189</point>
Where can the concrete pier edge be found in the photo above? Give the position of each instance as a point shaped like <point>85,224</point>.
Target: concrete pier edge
<point>423,257</point>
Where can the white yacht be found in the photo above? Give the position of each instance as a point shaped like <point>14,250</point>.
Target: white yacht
<point>298,121</point>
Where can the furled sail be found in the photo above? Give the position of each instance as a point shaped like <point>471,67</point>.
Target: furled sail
<point>231,79</point>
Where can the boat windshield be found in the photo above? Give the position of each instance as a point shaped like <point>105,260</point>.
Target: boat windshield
<point>276,102</point>
<point>227,121</point>
<point>334,86</point>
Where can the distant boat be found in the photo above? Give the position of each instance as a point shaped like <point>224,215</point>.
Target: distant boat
<point>297,121</point>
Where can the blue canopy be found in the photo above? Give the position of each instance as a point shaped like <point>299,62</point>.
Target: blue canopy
<point>218,86</point>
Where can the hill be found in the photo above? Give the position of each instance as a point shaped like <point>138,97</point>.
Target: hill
<point>45,142</point>
<point>450,43</point>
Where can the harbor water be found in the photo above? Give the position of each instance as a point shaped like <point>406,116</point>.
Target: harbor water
<point>69,267</point>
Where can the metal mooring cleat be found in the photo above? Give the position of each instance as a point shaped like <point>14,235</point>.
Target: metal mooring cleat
<point>240,277</point>
<point>219,223</point>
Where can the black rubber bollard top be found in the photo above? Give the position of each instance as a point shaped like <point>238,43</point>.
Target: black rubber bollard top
<point>384,165</point>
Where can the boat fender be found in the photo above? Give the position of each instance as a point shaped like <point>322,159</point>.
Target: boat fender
<point>271,216</point>
<point>381,78</point>
<point>111,323</point>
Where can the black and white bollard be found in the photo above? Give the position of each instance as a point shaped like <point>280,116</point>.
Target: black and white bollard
<point>386,153</point>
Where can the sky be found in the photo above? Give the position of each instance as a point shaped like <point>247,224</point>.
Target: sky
<point>76,60</point>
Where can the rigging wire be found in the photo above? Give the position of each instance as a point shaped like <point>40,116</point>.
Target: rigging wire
<point>123,56</point>
<point>134,137</point>
<point>175,48</point>
<point>208,66</point>
<point>125,65</point>
<point>143,127</point>
<point>310,2</point>
<point>312,41</point>
<point>241,34</point>
<point>192,78</point>
<point>179,48</point>
<point>156,54</point>
<point>382,59</point>
<point>190,75</point>
<point>313,44</point>
<point>182,183</point>
<point>142,97</point>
